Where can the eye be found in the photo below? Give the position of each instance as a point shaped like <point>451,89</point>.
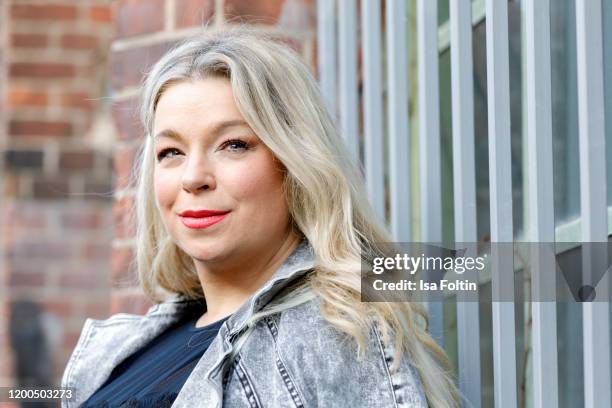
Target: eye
<point>235,145</point>
<point>162,154</point>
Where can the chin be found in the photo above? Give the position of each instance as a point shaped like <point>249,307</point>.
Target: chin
<point>212,253</point>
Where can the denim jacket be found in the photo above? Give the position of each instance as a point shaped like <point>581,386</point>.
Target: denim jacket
<point>293,358</point>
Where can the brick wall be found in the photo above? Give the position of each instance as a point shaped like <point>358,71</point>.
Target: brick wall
<point>145,30</point>
<point>5,364</point>
<point>5,356</point>
<point>57,171</point>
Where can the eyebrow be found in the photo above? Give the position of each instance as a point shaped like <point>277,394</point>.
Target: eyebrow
<point>214,130</point>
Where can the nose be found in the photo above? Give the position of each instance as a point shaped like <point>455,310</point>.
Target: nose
<point>198,174</point>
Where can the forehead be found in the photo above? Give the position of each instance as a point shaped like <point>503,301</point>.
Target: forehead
<point>200,103</point>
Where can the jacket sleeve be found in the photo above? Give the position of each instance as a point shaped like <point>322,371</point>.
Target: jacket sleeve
<point>323,362</point>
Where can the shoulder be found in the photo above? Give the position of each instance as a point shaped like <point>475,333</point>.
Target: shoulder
<point>326,362</point>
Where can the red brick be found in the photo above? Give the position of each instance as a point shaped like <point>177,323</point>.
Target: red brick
<point>256,12</point>
<point>100,14</point>
<point>29,40</point>
<point>80,220</point>
<point>130,303</point>
<point>96,188</point>
<point>76,100</point>
<point>83,160</point>
<point>40,128</point>
<point>82,279</point>
<point>11,185</point>
<point>124,162</point>
<point>61,308</point>
<point>95,252</point>
<point>51,187</point>
<point>125,115</point>
<point>42,70</point>
<point>79,41</point>
<point>27,97</point>
<point>36,251</point>
<point>43,12</point>
<point>27,279</point>
<point>123,218</point>
<point>97,310</point>
<point>26,218</point>
<point>123,272</point>
<point>193,12</point>
<point>127,66</point>
<point>135,17</point>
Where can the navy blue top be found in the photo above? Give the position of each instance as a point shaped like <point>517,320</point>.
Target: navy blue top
<point>154,375</point>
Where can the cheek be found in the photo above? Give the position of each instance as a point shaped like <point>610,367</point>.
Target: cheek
<point>164,185</point>
<point>258,185</point>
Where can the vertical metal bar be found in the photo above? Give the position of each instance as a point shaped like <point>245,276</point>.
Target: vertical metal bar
<point>349,103</point>
<point>326,49</point>
<point>541,205</point>
<point>429,142</point>
<point>397,90</point>
<point>464,176</point>
<point>372,101</point>
<point>596,321</point>
<point>500,184</point>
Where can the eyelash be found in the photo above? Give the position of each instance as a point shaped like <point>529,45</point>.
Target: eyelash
<point>244,145</point>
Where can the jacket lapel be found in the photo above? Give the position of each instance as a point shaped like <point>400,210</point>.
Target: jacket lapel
<point>104,344</point>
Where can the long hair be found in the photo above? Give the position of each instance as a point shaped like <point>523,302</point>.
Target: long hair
<point>280,99</point>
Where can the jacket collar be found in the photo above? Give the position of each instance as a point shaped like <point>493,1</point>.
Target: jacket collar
<point>299,263</point>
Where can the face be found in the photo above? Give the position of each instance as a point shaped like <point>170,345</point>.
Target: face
<point>209,160</point>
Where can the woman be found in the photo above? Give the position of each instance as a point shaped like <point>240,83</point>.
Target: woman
<point>251,217</point>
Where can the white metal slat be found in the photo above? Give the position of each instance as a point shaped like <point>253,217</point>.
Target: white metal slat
<point>500,184</point>
<point>464,176</point>
<point>429,144</point>
<point>326,50</point>
<point>397,91</point>
<point>596,321</point>
<point>372,101</point>
<point>541,205</point>
<point>349,102</point>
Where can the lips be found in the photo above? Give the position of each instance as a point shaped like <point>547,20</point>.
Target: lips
<point>201,213</point>
<point>198,219</point>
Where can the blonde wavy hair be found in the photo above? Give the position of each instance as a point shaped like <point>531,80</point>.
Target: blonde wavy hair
<point>280,99</point>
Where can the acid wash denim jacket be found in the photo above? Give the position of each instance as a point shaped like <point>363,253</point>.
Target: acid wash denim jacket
<point>291,359</point>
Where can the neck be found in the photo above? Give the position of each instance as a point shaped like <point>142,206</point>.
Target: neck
<point>226,289</point>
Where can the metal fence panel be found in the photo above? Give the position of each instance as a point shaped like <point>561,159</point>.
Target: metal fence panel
<point>500,186</point>
<point>349,101</point>
<point>372,105</point>
<point>464,185</point>
<point>596,320</point>
<point>429,143</point>
<point>326,52</point>
<point>541,205</point>
<point>399,140</point>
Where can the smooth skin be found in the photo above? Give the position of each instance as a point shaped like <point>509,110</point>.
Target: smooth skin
<point>202,165</point>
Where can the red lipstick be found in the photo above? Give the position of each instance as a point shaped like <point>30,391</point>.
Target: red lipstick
<point>199,219</point>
